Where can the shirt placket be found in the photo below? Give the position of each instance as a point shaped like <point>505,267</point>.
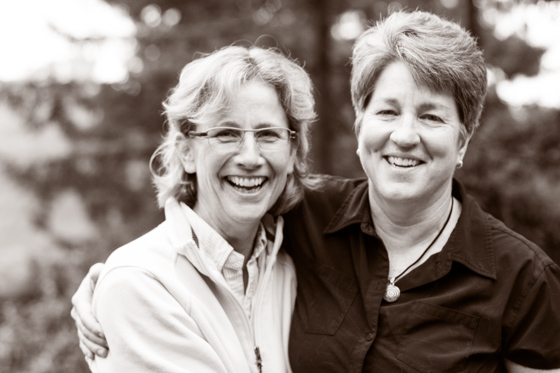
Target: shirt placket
<point>233,273</point>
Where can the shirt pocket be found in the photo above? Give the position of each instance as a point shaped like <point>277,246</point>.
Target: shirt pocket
<point>436,339</point>
<point>324,298</point>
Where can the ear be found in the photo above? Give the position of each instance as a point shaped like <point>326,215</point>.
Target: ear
<point>290,169</point>
<point>187,157</point>
<point>463,145</point>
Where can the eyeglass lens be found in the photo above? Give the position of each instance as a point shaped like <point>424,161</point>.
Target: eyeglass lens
<point>266,138</point>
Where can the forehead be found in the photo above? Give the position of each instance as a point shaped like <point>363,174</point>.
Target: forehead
<point>252,105</point>
<point>254,92</point>
<point>396,85</point>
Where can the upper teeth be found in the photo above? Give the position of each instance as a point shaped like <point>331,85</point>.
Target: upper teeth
<point>405,162</point>
<point>246,181</point>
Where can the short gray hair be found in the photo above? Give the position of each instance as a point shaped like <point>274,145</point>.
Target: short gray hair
<point>207,87</point>
<point>439,54</point>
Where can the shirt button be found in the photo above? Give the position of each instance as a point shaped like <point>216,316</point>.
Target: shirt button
<point>369,337</point>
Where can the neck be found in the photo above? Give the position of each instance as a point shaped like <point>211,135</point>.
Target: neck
<point>240,235</point>
<point>404,226</point>
<point>243,243</point>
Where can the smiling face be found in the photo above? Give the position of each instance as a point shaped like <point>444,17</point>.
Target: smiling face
<point>236,187</point>
<point>409,141</point>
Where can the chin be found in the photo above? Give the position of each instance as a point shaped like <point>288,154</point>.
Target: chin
<point>399,193</point>
<point>248,213</point>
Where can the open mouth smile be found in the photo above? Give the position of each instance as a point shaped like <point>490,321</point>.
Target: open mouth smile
<point>246,184</point>
<point>402,162</point>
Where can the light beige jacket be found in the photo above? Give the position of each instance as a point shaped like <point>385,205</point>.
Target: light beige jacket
<point>163,309</point>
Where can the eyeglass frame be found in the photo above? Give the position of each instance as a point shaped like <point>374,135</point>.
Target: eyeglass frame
<point>292,135</point>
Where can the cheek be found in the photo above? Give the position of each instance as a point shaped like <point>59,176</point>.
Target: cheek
<point>371,138</point>
<point>444,147</point>
<point>282,165</point>
<point>208,165</point>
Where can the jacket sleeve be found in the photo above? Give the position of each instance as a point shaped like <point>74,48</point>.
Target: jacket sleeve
<point>147,329</point>
<point>535,342</point>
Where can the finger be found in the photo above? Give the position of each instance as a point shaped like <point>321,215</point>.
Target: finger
<point>94,272</point>
<point>87,353</point>
<point>89,348</point>
<point>91,337</point>
<point>81,301</point>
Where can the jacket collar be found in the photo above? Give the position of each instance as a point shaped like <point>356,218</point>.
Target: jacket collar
<point>469,244</point>
<point>179,219</point>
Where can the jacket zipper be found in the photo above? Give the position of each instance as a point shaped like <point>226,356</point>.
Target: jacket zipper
<point>259,359</point>
<point>252,326</point>
<point>258,298</point>
<point>258,301</point>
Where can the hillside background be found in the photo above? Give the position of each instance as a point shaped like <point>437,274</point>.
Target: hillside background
<point>74,146</point>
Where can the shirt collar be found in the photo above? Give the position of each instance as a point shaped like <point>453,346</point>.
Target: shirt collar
<point>470,243</point>
<point>228,258</point>
<point>183,222</point>
<point>354,210</point>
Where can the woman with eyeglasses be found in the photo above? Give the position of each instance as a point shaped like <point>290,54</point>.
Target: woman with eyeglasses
<point>210,289</point>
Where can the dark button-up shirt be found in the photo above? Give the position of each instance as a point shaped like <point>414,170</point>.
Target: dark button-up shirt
<point>489,295</point>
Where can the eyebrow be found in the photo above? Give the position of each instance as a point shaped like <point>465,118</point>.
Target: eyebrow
<point>258,126</point>
<point>432,105</point>
<point>391,101</point>
<point>423,106</point>
<point>442,108</point>
<point>229,124</point>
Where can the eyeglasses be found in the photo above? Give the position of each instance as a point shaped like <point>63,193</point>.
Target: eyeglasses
<point>269,138</point>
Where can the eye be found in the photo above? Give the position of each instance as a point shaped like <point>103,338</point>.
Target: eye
<point>225,134</point>
<point>432,118</point>
<point>387,113</point>
<point>270,134</point>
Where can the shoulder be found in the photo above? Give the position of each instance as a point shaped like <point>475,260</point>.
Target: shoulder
<point>305,225</point>
<point>141,274</point>
<point>510,246</point>
<point>328,196</point>
<point>533,300</point>
<point>331,186</point>
<point>530,276</point>
<point>492,246</point>
<point>285,264</point>
<point>150,253</point>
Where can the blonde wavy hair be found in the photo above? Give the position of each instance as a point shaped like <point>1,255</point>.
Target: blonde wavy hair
<point>206,88</point>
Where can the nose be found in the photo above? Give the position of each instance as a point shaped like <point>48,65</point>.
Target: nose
<point>249,154</point>
<point>405,133</point>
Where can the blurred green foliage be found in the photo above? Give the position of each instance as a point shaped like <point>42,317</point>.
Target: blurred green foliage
<point>510,167</point>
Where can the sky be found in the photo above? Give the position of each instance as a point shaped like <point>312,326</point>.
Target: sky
<point>31,48</point>
<point>540,27</point>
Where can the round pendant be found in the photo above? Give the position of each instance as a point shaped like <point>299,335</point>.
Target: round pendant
<point>392,293</point>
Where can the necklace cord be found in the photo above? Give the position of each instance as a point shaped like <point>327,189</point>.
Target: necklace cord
<point>429,246</point>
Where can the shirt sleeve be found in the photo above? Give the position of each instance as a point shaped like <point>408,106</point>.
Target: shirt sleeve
<point>535,341</point>
<point>147,329</point>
